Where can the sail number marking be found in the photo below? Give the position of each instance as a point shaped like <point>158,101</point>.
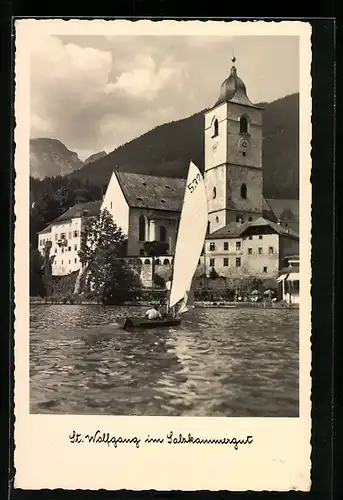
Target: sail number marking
<point>194,183</point>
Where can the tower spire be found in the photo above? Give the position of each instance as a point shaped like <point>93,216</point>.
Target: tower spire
<point>233,59</point>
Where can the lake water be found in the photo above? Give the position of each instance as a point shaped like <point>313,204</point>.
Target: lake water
<point>220,362</point>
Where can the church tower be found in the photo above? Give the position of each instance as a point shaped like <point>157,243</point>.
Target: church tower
<point>233,156</point>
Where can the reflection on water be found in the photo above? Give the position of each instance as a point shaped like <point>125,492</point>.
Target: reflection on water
<point>220,362</point>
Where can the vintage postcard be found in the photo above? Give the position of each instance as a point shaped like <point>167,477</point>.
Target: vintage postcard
<point>162,255</point>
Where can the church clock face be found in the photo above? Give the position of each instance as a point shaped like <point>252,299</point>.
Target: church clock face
<point>244,144</point>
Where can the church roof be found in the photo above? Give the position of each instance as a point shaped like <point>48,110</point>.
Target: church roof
<point>236,230</point>
<point>234,90</point>
<point>152,192</point>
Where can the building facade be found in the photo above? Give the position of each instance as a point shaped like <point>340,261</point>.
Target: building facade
<point>256,248</point>
<point>65,236</point>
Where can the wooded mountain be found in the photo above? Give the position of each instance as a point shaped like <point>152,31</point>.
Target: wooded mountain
<point>167,149</point>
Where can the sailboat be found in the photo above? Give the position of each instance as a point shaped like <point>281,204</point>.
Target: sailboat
<point>189,243</point>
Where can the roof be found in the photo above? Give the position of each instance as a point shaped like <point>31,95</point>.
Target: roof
<point>278,228</point>
<point>152,192</point>
<point>80,210</point>
<point>47,229</point>
<point>232,230</point>
<point>289,269</point>
<point>234,90</point>
<point>236,230</point>
<point>267,210</point>
<point>292,257</point>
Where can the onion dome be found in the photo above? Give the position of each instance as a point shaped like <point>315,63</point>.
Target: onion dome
<point>233,89</point>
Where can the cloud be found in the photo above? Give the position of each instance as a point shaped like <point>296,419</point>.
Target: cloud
<point>95,93</point>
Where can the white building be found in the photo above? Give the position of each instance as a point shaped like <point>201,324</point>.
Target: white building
<point>65,236</point>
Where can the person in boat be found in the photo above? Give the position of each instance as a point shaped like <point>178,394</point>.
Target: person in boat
<point>153,313</point>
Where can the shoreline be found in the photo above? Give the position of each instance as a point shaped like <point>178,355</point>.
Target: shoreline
<point>197,304</point>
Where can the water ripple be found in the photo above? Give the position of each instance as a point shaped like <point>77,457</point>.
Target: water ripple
<point>228,362</point>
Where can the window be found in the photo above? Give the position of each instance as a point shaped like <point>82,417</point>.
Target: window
<point>75,260</point>
<point>214,192</point>
<point>244,191</point>
<point>141,252</point>
<point>111,204</point>
<point>226,245</point>
<point>217,219</point>
<point>215,128</point>
<point>139,262</point>
<point>250,219</point>
<point>212,246</point>
<point>157,262</point>
<point>208,227</point>
<point>62,236</point>
<point>260,237</point>
<point>238,262</point>
<point>62,262</point>
<point>243,125</point>
<point>250,237</point>
<point>249,251</point>
<point>76,234</point>
<point>55,250</point>
<point>212,262</point>
<point>238,245</point>
<point>62,250</point>
<point>225,261</point>
<point>75,247</point>
<point>142,228</point>
<point>244,153</point>
<point>271,250</point>
<point>147,261</point>
<point>69,262</point>
<point>264,269</point>
<point>69,249</point>
<point>163,234</point>
<point>69,234</point>
<point>239,219</point>
<point>260,250</point>
<point>56,237</point>
<point>166,262</point>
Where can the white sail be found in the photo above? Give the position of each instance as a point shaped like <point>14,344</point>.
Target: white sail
<point>190,239</point>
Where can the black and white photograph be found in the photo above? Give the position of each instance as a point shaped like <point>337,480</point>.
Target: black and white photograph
<point>166,216</point>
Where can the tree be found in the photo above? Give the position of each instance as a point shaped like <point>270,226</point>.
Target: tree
<point>103,246</point>
<point>213,274</point>
<point>36,273</point>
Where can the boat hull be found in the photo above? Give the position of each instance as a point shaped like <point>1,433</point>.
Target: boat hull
<point>134,322</point>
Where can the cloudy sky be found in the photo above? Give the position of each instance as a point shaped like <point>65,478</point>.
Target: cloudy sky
<point>95,93</point>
